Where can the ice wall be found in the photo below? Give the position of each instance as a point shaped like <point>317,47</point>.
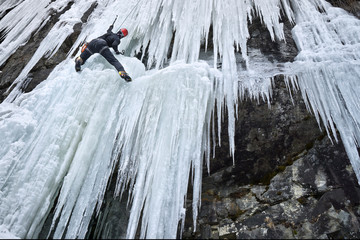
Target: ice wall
<point>54,138</point>
<point>328,70</point>
<point>63,133</point>
<point>66,136</point>
<point>154,22</point>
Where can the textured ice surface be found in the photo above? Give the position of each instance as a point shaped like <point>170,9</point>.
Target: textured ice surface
<point>5,234</point>
<point>328,70</point>
<point>60,136</point>
<point>66,136</point>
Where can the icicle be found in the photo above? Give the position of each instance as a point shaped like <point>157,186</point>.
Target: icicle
<point>328,70</point>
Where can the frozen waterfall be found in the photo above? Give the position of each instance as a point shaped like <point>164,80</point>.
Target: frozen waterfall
<point>62,142</point>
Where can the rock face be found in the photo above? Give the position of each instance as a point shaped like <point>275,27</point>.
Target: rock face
<point>288,181</point>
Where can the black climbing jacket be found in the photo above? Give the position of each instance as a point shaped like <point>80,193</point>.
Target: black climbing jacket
<point>101,45</point>
<point>112,39</point>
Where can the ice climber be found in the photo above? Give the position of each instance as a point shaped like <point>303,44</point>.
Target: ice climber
<point>101,45</point>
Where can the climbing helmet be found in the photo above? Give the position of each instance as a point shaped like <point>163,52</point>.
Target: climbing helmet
<point>123,32</point>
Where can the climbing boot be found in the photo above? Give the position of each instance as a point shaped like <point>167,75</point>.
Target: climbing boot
<point>125,76</point>
<point>78,62</point>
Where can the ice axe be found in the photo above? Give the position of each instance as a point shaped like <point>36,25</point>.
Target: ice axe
<point>115,20</point>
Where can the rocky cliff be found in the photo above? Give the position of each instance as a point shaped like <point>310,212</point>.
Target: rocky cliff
<point>289,178</point>
<point>288,181</point>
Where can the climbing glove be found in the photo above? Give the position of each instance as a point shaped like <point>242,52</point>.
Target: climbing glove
<point>125,76</point>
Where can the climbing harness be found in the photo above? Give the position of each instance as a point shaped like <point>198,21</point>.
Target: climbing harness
<point>84,46</point>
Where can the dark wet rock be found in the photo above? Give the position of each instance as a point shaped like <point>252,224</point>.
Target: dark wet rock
<point>352,6</point>
<point>299,185</point>
<point>274,50</point>
<point>287,179</point>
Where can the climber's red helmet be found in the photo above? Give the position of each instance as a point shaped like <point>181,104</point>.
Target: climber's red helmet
<point>123,32</point>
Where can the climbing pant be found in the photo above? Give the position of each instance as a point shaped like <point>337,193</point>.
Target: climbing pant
<point>100,46</point>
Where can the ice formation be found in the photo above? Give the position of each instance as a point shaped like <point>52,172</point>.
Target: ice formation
<point>329,70</point>
<point>66,137</point>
